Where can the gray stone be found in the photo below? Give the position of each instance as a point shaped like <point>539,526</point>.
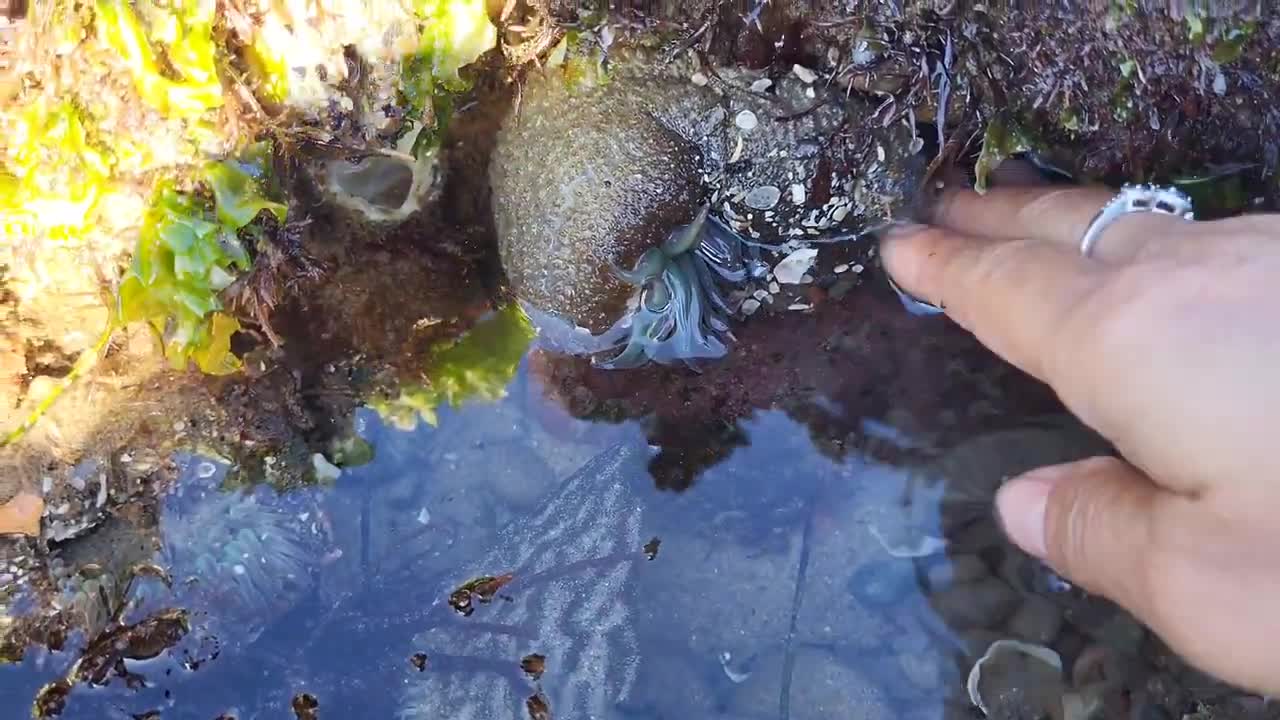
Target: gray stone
<point>982,604</point>
<point>1037,620</point>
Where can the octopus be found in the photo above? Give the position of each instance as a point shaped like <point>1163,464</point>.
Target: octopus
<point>631,199</point>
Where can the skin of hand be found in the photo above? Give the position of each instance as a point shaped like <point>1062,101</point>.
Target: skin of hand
<point>1166,341</point>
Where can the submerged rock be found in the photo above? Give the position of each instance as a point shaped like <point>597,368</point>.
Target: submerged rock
<point>627,196</point>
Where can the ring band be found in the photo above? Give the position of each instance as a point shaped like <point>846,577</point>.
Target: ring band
<point>1132,199</point>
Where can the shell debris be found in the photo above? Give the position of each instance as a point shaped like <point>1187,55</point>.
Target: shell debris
<point>791,270</point>
<point>806,75</point>
<point>797,194</point>
<point>746,121</point>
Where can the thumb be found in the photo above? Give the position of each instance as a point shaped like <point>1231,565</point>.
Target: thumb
<point>1091,521</point>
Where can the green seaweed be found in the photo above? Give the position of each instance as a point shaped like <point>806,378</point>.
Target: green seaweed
<point>56,175</point>
<point>185,35</point>
<point>478,366</point>
<point>1230,46</point>
<point>580,62</point>
<point>1003,138</point>
<point>455,33</point>
<point>189,251</point>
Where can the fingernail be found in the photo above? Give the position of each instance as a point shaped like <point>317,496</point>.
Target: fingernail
<point>1021,504</point>
<point>901,228</point>
<point>914,305</point>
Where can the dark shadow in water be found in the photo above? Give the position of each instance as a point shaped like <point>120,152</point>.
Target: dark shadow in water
<point>854,364</point>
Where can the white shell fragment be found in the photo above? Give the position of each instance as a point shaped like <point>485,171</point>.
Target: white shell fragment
<point>761,85</point>
<point>746,121</point>
<point>1007,647</point>
<point>805,74</point>
<point>793,267</point>
<point>765,197</point>
<point>325,470</point>
<point>797,194</point>
<point>699,79</point>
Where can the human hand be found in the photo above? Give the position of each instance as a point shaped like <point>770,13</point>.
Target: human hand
<point>1165,340</point>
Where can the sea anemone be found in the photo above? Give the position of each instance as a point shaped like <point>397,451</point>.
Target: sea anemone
<point>238,557</point>
<point>677,310</point>
<point>628,201</point>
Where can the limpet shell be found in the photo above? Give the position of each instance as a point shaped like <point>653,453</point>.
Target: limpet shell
<point>765,197</point>
<point>1007,647</point>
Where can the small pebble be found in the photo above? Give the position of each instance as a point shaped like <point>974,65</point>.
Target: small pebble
<point>1038,620</point>
<point>746,121</point>
<point>799,306</point>
<point>805,74</point>
<point>841,268</point>
<point>774,287</point>
<point>761,295</point>
<point>424,516</point>
<point>761,85</point>
<point>699,79</point>
<point>750,305</point>
<point>797,194</point>
<point>858,269</point>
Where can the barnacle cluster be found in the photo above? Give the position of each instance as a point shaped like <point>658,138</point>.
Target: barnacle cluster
<point>373,85</point>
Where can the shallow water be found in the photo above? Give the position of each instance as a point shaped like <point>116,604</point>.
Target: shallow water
<point>835,557</point>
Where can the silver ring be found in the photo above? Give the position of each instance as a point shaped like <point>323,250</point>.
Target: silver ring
<point>1132,199</point>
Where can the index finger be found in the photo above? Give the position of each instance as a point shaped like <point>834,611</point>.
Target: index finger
<point>1053,214</point>
<point>1024,299</point>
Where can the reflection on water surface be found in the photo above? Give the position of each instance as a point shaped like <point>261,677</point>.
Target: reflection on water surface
<point>822,546</point>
